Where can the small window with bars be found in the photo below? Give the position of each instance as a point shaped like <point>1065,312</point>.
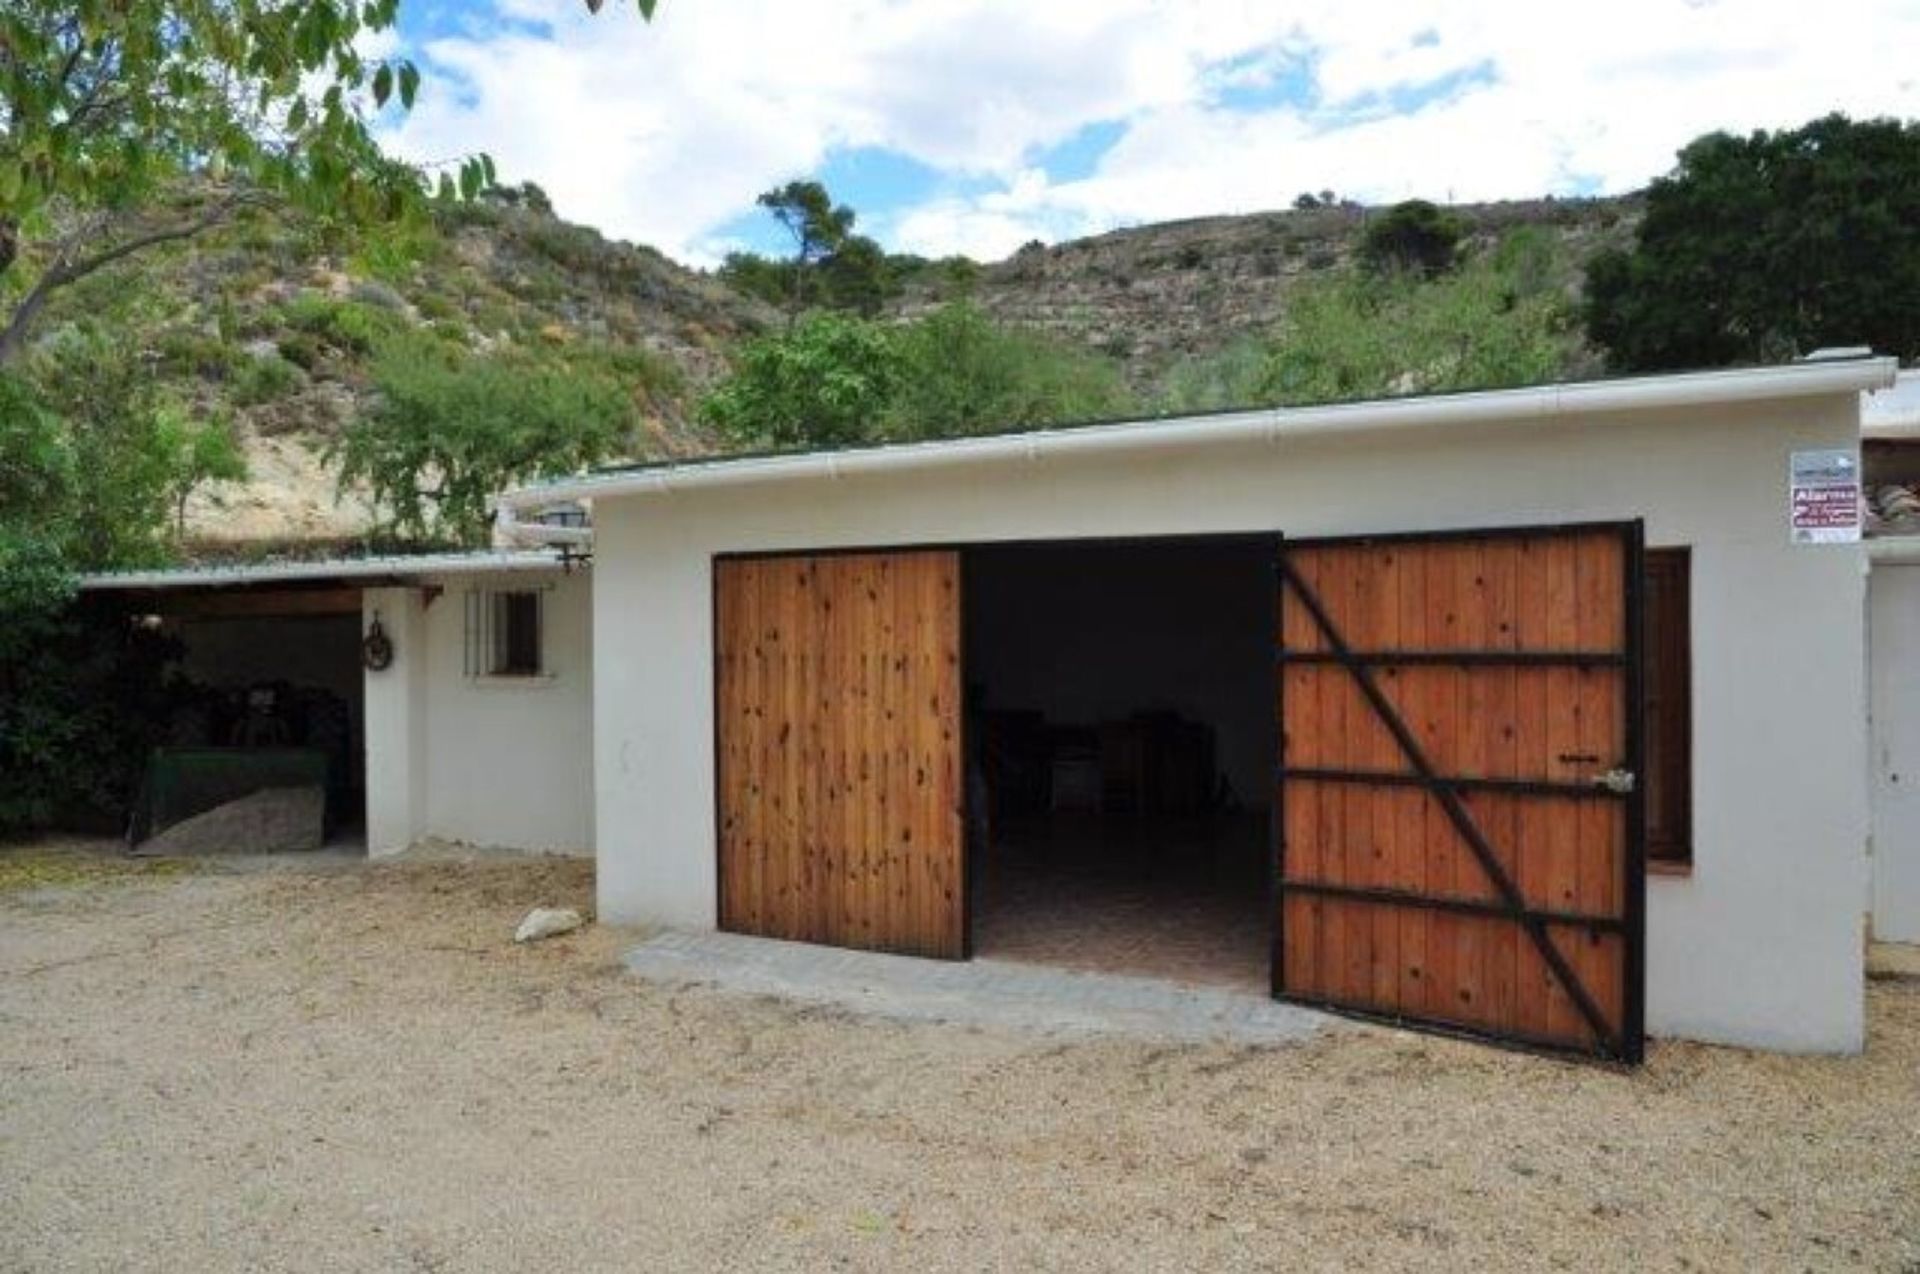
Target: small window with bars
<point>505,633</point>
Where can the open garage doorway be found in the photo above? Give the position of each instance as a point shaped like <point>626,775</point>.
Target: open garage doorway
<point>1121,747</point>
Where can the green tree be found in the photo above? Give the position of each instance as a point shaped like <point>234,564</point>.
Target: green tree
<point>1412,237</point>
<point>117,460</point>
<point>90,461</point>
<point>453,427</point>
<point>125,124</point>
<point>775,282</point>
<point>834,379</point>
<point>817,225</point>
<point>1502,318</point>
<point>827,380</point>
<point>831,265</point>
<point>203,451</point>
<point>1762,247</point>
<point>39,487</point>
<point>857,276</point>
<point>965,374</point>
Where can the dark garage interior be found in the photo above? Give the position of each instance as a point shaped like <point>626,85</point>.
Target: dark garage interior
<point>1121,746</point>
<point>266,694</point>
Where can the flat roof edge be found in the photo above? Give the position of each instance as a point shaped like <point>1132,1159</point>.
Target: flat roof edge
<point>1535,404</point>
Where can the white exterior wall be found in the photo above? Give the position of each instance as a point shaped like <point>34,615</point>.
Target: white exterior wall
<point>394,708</point>
<point>1893,644</point>
<point>503,762</point>
<point>1761,944</point>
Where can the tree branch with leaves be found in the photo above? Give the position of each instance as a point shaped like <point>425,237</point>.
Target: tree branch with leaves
<point>128,124</point>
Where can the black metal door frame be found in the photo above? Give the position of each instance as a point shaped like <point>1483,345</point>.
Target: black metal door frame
<point>1628,1044</point>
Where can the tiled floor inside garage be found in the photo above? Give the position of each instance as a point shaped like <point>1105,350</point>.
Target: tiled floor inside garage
<point>1181,901</point>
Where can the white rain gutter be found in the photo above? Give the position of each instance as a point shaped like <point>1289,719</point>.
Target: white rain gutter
<point>1511,406</point>
<point>515,531</point>
<point>396,567</point>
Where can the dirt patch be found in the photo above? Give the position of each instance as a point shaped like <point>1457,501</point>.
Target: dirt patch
<point>71,865</point>
<point>354,1067</point>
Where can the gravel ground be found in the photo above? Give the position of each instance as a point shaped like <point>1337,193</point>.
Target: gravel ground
<point>349,1067</point>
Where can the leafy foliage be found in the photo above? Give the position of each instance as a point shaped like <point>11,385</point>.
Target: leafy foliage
<point>964,374</point>
<point>1411,237</point>
<point>749,273</point>
<point>1502,318</point>
<point>827,380</point>
<point>83,693</point>
<point>127,124</point>
<point>453,427</point>
<point>39,483</point>
<point>835,380</point>
<point>1762,247</point>
<point>817,224</point>
<point>265,378</point>
<point>202,451</point>
<point>106,104</point>
<point>92,461</point>
<point>108,459</point>
<point>1219,381</point>
<point>831,266</point>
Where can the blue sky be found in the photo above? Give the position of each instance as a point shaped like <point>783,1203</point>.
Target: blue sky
<point>972,127</point>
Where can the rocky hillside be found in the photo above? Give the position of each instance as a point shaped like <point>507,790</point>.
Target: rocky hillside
<point>1152,295</point>
<point>277,324</point>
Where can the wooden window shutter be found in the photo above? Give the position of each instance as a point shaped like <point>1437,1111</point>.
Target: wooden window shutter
<point>1669,706</point>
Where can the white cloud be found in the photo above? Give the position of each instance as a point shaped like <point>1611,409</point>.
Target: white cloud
<point>665,132</point>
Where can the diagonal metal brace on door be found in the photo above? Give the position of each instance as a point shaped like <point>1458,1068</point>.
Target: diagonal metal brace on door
<point>1512,902</point>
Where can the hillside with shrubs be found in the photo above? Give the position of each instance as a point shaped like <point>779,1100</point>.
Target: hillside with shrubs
<point>323,356</point>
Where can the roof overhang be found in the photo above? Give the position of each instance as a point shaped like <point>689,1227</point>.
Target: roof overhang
<point>1893,550</point>
<point>1535,405</point>
<point>363,572</point>
<point>1892,414</point>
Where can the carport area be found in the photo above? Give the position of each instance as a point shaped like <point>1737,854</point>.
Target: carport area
<point>261,719</point>
<point>278,669</point>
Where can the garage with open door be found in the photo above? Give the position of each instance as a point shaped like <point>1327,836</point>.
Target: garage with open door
<point>1394,775</point>
<point>1490,817</point>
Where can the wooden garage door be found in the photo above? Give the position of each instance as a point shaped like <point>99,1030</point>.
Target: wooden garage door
<point>1460,825</point>
<point>839,750</point>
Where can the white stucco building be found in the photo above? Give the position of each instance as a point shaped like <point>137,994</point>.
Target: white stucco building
<point>1746,926</point>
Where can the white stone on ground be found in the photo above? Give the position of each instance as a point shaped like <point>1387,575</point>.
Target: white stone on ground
<point>547,922</point>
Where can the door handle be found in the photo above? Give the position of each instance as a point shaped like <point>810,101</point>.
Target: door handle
<point>1618,781</point>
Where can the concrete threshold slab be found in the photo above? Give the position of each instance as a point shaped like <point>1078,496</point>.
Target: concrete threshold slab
<point>1893,961</point>
<point>989,993</point>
